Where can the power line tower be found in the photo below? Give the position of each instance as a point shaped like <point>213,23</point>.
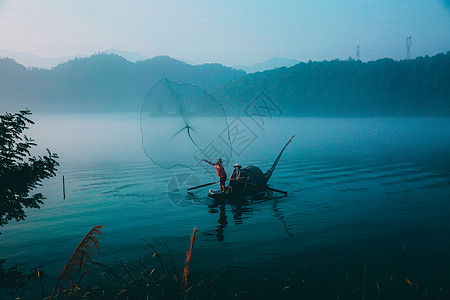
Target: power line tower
<point>408,47</point>
<point>358,52</point>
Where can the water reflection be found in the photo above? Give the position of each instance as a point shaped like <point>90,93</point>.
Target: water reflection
<point>279,214</point>
<point>222,223</point>
<point>16,282</point>
<point>243,208</point>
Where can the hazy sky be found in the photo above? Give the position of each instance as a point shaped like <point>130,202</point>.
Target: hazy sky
<point>229,32</point>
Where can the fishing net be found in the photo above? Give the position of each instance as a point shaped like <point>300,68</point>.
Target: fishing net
<point>181,124</point>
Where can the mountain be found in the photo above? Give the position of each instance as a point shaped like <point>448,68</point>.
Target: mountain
<point>273,63</point>
<point>348,88</point>
<point>128,55</point>
<point>99,83</point>
<point>34,61</point>
<point>110,83</point>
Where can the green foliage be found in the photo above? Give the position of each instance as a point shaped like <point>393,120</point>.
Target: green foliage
<point>350,88</point>
<point>20,172</point>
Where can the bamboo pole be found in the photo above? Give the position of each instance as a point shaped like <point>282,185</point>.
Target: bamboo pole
<point>64,188</point>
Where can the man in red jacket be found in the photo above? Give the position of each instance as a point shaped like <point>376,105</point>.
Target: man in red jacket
<point>221,172</point>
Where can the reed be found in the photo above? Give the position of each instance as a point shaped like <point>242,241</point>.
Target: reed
<point>151,277</point>
<point>188,264</point>
<point>154,276</point>
<point>83,253</point>
<point>40,282</point>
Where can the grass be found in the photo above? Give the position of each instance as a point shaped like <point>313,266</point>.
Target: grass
<point>83,253</point>
<point>145,279</point>
<point>156,276</point>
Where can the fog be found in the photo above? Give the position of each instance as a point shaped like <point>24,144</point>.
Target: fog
<point>120,137</point>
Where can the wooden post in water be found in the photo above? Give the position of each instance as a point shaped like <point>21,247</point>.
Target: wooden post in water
<point>64,188</point>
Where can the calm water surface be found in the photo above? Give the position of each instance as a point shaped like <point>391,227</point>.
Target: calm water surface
<point>358,190</point>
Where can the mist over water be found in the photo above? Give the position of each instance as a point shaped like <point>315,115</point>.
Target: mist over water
<point>89,137</point>
<point>117,137</point>
<point>358,188</point>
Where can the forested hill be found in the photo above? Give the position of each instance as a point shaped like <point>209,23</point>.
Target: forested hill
<point>349,88</point>
<point>110,83</point>
<point>100,83</point>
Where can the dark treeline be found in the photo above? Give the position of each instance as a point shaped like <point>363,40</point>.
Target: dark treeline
<point>350,88</point>
<point>100,83</point>
<point>109,83</point>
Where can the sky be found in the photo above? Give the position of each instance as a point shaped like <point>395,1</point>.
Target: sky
<point>233,32</point>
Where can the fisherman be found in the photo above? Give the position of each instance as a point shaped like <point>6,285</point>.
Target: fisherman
<point>221,172</point>
<point>235,177</point>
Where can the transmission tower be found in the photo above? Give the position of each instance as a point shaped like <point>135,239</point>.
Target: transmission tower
<point>408,47</point>
<point>358,52</point>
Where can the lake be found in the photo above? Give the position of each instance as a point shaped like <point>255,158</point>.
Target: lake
<point>359,191</point>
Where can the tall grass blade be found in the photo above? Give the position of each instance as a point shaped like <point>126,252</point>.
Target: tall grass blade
<point>40,282</point>
<point>82,252</point>
<point>187,264</point>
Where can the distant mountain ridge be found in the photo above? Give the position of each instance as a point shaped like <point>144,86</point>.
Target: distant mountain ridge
<point>102,82</point>
<point>273,63</point>
<point>128,55</point>
<point>30,60</point>
<point>34,61</point>
<point>111,83</point>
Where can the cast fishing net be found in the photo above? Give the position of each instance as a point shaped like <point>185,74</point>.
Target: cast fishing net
<point>181,124</point>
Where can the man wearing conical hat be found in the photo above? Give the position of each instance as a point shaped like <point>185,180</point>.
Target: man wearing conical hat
<point>235,177</point>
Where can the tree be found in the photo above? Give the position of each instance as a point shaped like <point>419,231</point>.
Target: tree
<point>20,172</point>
